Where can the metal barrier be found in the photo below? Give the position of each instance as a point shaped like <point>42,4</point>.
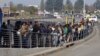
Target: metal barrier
<point>12,39</point>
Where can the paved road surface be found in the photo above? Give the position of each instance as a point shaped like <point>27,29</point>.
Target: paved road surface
<point>89,48</point>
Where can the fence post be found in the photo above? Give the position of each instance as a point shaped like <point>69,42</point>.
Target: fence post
<point>72,37</point>
<point>37,40</point>
<point>10,36</point>
<point>78,37</point>
<point>83,33</point>
<point>50,40</point>
<point>30,42</point>
<point>44,39</point>
<point>11,39</point>
<point>20,40</point>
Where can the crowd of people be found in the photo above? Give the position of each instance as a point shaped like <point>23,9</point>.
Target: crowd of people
<point>35,34</point>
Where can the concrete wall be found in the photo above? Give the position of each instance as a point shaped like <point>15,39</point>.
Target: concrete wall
<point>19,51</point>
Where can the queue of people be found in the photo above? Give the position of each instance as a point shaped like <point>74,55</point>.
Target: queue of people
<point>36,34</point>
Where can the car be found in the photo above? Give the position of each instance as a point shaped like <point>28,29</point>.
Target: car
<point>93,18</point>
<point>49,16</point>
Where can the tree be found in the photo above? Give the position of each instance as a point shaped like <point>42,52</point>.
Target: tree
<point>78,7</point>
<point>5,5</point>
<point>54,5</point>
<point>42,5</point>
<point>97,4</point>
<point>11,4</point>
<point>49,5</point>
<point>87,8</point>
<point>12,7</point>
<point>68,6</point>
<point>20,7</point>
<point>32,10</point>
<point>58,5</point>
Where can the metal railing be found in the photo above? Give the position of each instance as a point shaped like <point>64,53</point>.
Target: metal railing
<point>12,39</point>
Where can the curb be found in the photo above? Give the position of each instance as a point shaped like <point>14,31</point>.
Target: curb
<point>46,52</point>
<point>54,49</point>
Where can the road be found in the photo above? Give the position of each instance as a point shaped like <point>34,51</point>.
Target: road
<point>88,48</point>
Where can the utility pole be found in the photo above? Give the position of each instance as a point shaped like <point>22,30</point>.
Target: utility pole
<point>84,11</point>
<point>53,6</point>
<point>72,17</point>
<point>42,7</point>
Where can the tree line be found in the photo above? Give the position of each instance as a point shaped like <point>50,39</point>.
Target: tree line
<point>58,6</point>
<point>19,7</point>
<point>78,6</point>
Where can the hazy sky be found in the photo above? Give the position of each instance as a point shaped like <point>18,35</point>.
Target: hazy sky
<point>36,2</point>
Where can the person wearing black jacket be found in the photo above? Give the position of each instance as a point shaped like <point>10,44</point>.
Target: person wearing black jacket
<point>3,34</point>
<point>35,32</point>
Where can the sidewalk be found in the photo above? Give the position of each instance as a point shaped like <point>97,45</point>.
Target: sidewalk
<point>20,51</point>
<point>51,50</point>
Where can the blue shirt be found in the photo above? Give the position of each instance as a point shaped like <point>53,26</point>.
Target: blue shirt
<point>0,20</point>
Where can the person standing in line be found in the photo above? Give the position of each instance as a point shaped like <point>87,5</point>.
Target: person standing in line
<point>35,34</point>
<point>17,26</point>
<point>24,33</point>
<point>3,33</point>
<point>1,14</point>
<point>10,34</point>
<point>43,35</point>
<point>65,32</point>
